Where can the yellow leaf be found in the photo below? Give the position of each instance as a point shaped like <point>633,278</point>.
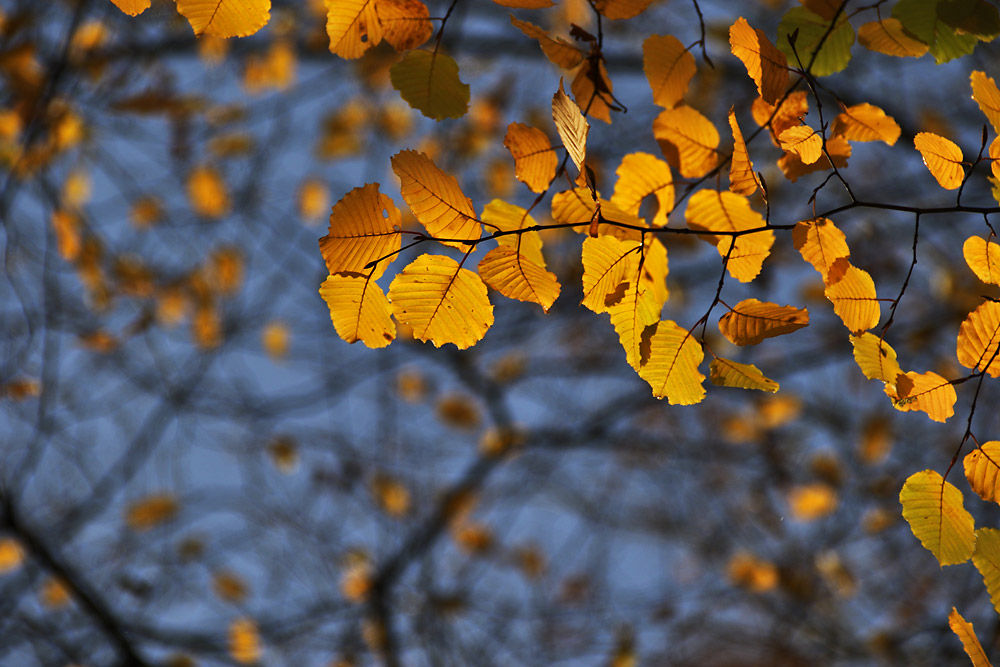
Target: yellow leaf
<point>669,67</point>
<point>592,90</point>
<point>672,368</point>
<point>803,141</point>
<point>711,210</point>
<point>151,511</point>
<point>573,128</point>
<point>654,270</point>
<point>359,309</point>
<point>978,338</point>
<point>820,243</point>
<point>517,277</point>
<point>244,642</point>
<point>795,106</point>
<point>876,441</point>
<point>765,64</point>
<point>641,175</point>
<point>274,338</point>
<point>982,469</point>
<point>986,558</point>
<point>728,373</point>
<point>607,263</point>
<point>751,321</point>
<point>578,206</point>
<point>793,167</point>
<point>995,156</point>
<point>888,36</point>
<point>742,178</point>
<point>314,200</point>
<point>622,9</point>
<point>983,257</point>
<point>429,83</point>
<point>436,199</point>
<point>866,122</point>
<point>942,157</point>
<point>688,140</point>
<point>364,227</point>
<point>353,27</point>
<point>356,579</point>
<point>853,296</point>
<point>809,502</point>
<point>967,635</point>
<point>405,23</point>
<point>535,161</point>
<point>633,317</point>
<point>11,555</point>
<point>443,302</point>
<point>560,52</point>
<point>502,216</point>
<point>132,7</point>
<point>207,192</point>
<point>987,96</point>
<point>875,357</point>
<point>925,392</point>
<point>934,509</point>
<point>225,18</point>
<point>391,495</point>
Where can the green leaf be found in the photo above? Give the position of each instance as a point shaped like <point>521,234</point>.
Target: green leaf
<point>429,83</point>
<point>922,19</point>
<point>836,50</point>
<point>977,18</point>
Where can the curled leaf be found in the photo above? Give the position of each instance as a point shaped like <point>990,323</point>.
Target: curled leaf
<point>727,373</point>
<point>751,321</point>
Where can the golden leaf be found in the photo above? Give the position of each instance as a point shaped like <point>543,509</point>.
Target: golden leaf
<point>364,227</point>
<point>967,635</point>
<point>889,37</point>
<point>641,175</point>
<point>795,106</point>
<point>986,558</point>
<point>866,122</point>
<point>934,509</point>
<point>820,243</point>
<point>151,511</point>
<point>359,309</point>
<point>560,52</point>
<point>526,4</point>
<point>244,641</point>
<point>983,257</point>
<point>207,192</point>
<point>67,229</point>
<point>225,18</point>
<point>622,9</point>
<point>502,216</point>
<point>751,321</point>
<point>353,27</point>
<point>752,573</point>
<point>803,141</point>
<point>578,205</point>
<point>132,7</point>
<point>274,70</point>
<point>728,373</point>
<point>925,392</point>
<point>535,161</point>
<point>688,140</point>
<point>314,200</point>
<point>765,64</point>
<point>11,555</point>
<point>982,469</point>
<point>875,357</point>
<point>607,263</point>
<point>229,586</point>
<point>942,157</point>
<point>876,441</point>
<point>669,67</point>
<point>405,23</point>
<point>995,157</point>
<point>987,96</point>
<point>517,277</point>
<point>429,83</point>
<point>809,502</point>
<point>978,338</point>
<point>633,316</point>
<point>742,178</point>
<point>274,337</point>
<point>711,210</point>
<point>853,296</point>
<point>436,199</point>
<point>672,368</point>
<point>443,302</point>
<point>654,270</point>
<point>573,128</point>
<point>592,90</point>
<point>391,495</point>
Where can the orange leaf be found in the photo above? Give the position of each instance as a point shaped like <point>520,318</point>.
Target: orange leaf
<point>535,161</point>
<point>507,217</point>
<point>866,122</point>
<point>405,23</point>
<point>978,338</point>
<point>607,263</point>
<point>207,192</point>
<point>517,277</point>
<point>982,469</point>
<point>742,178</point>
<point>967,635</point>
<point>942,157</point>
<point>986,558</point>
<point>672,368</point>
<point>560,52</point>
<point>853,296</point>
<point>688,140</point>
<point>592,90</point>
<point>751,321</point>
<point>889,37</point>
<point>795,106</point>
<point>353,27</point>
<point>765,64</point>
<point>436,199</point>
<point>987,96</point>
<point>633,317</point>
<point>132,7</point>
<point>727,373</point>
<point>225,18</point>
<point>358,309</point>
<point>803,141</point>
<point>622,9</point>
<point>793,167</point>
<point>364,227</point>
<point>151,511</point>
<point>710,210</point>
<point>641,175</point>
<point>669,67</point>
<point>983,257</point>
<point>244,641</point>
<point>925,392</point>
<point>820,243</point>
<point>573,128</point>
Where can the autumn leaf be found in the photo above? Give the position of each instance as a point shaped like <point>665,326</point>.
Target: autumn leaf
<point>986,558</point>
<point>875,357</point>
<point>436,199</point>
<point>151,511</point>
<point>978,338</point>
<point>922,19</point>
<point>688,140</point>
<point>353,27</point>
<point>714,211</point>
<point>942,157</point>
<point>837,147</point>
<point>983,257</point>
<point>364,227</point>
<point>853,296</point>
<point>359,309</point>
<point>592,90</point>
<point>866,122</point>
<point>727,373</point>
<point>207,192</point>
<point>244,641</point>
<point>828,49</point>
<point>429,83</point>
<point>504,217</point>
<point>607,263</point>
<point>765,64</point>
<point>313,200</point>
<point>780,118</point>
<point>633,316</point>
<point>669,67</point>
<point>982,469</point>
<point>967,635</point>
<point>573,128</point>
<point>517,277</point>
<point>560,52</point>
<point>820,243</point>
<point>641,175</point>
<point>225,18</point>
<point>655,268</point>
<point>742,178</point>
<point>987,96</point>
<point>535,161</point>
<point>809,502</point>
<point>995,157</point>
<point>672,368</point>
<point>443,302</point>
<point>803,141</point>
<point>926,392</point>
<point>622,9</point>
<point>578,206</point>
<point>936,514</point>
<point>525,4</point>
<point>889,37</point>
<point>751,321</point>
<point>405,23</point>
<point>132,7</point>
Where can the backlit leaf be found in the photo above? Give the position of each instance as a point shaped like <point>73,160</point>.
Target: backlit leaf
<point>274,338</point>
<point>751,321</point>
<point>654,270</point>
<point>925,392</point>
<point>405,23</point>
<point>853,296</point>
<point>225,18</point>
<point>727,373</point>
<point>983,257</point>
<point>672,368</point>
<point>622,9</point>
<point>443,302</point>
<point>820,243</point>
<point>995,157</point>
<point>314,200</point>
<point>436,199</point>
<point>507,217</point>
<point>837,147</point>
<point>669,67</point>
<point>207,192</point>
<point>11,555</point>
<point>711,210</point>
<point>364,227</point>
<point>517,277</point>
<point>578,205</point>
<point>359,309</point>
<point>795,106</point>
<point>560,52</point>
<point>888,36</point>
<point>535,161</point>
<point>132,7</point>
<point>967,635</point>
<point>875,357</point>
<point>921,19</point>
<point>429,83</point>
<point>151,511</point>
<point>765,64</point>
<point>803,141</point>
<point>573,128</point>
<point>607,263</point>
<point>942,157</point>
<point>641,175</point>
<point>592,89</point>
<point>688,140</point>
<point>809,502</point>
<point>812,28</point>
<point>353,27</point>
<point>986,558</point>
<point>987,96</point>
<point>866,122</point>
<point>742,178</point>
<point>936,514</point>
<point>982,469</point>
<point>978,338</point>
<point>633,316</point>
<point>244,641</point>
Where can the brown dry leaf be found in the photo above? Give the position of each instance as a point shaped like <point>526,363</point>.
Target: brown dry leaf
<point>572,126</point>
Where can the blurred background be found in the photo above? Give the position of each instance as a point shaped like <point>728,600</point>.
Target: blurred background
<point>196,470</point>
